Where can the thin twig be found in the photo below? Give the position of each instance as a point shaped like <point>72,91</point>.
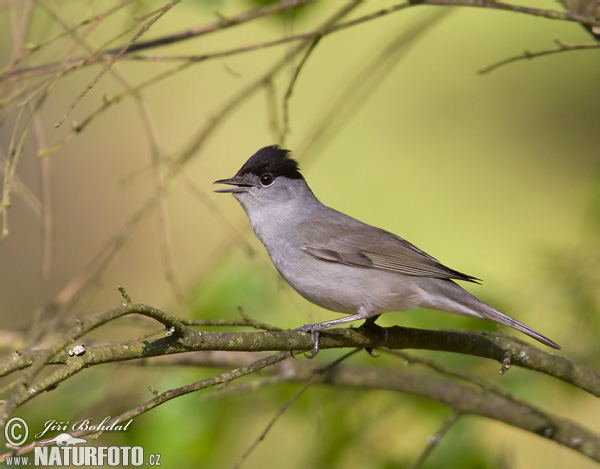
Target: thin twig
<point>469,378</point>
<point>25,391</point>
<point>164,234</point>
<point>16,147</point>
<point>166,396</point>
<point>22,190</point>
<point>221,24</point>
<point>288,93</point>
<point>213,208</point>
<point>317,376</point>
<point>562,47</point>
<point>434,440</point>
<point>272,109</point>
<point>247,16</point>
<point>31,48</point>
<point>20,28</point>
<point>44,90</point>
<point>155,153</point>
<point>111,62</point>
<point>47,199</point>
<point>369,72</point>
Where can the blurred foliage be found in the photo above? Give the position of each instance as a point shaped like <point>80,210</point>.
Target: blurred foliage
<point>233,284</point>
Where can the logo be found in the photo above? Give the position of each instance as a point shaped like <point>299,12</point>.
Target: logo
<point>64,439</point>
<point>65,449</point>
<point>83,425</point>
<point>16,431</point>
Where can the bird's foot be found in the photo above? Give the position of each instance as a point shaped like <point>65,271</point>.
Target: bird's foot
<point>315,339</point>
<point>370,325</point>
<point>382,332</point>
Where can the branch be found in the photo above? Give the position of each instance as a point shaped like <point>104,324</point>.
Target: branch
<point>477,397</point>
<point>544,13</point>
<point>222,23</point>
<point>162,11</point>
<point>166,396</point>
<point>483,400</point>
<point>312,380</point>
<point>435,439</point>
<point>562,47</point>
<point>463,399</point>
<point>244,17</point>
<point>36,360</point>
<point>480,344</point>
<point>467,400</point>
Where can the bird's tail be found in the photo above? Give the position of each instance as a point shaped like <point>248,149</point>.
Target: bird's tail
<point>450,297</point>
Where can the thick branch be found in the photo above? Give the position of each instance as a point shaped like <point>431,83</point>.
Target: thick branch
<point>468,400</point>
<point>481,344</point>
<point>464,399</point>
<point>479,399</point>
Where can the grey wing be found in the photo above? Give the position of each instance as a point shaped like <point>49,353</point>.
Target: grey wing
<point>362,245</point>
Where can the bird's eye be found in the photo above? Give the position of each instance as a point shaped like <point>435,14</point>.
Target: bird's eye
<point>266,180</point>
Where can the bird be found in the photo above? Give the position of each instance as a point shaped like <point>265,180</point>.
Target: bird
<point>340,263</point>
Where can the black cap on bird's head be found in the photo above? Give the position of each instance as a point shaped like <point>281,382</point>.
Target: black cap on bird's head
<point>266,164</point>
<point>274,160</point>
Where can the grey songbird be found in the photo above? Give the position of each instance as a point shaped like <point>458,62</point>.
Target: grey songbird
<point>340,263</point>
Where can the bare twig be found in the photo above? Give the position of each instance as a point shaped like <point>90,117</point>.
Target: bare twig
<point>468,377</point>
<point>47,199</point>
<point>288,93</point>
<point>16,148</point>
<point>38,360</point>
<point>22,190</point>
<point>221,24</point>
<point>166,396</point>
<point>562,47</point>
<point>371,70</point>
<point>434,440</point>
<point>260,12</point>
<point>31,48</point>
<point>143,30</point>
<point>318,375</point>
<point>164,234</point>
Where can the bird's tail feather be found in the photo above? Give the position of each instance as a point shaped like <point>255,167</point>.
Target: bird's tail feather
<point>452,298</point>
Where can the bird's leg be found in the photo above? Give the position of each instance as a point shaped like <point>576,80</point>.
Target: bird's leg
<point>315,350</point>
<point>314,329</point>
<point>369,324</point>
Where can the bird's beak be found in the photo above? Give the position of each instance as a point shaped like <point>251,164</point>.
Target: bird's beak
<point>240,186</point>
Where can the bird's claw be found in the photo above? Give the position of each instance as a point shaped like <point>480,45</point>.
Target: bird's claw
<point>315,339</point>
<point>369,350</point>
<point>382,332</point>
<point>305,328</point>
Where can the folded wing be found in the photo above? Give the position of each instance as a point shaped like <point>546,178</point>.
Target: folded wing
<point>362,245</point>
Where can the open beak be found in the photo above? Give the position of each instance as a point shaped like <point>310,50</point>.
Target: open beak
<point>240,186</point>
